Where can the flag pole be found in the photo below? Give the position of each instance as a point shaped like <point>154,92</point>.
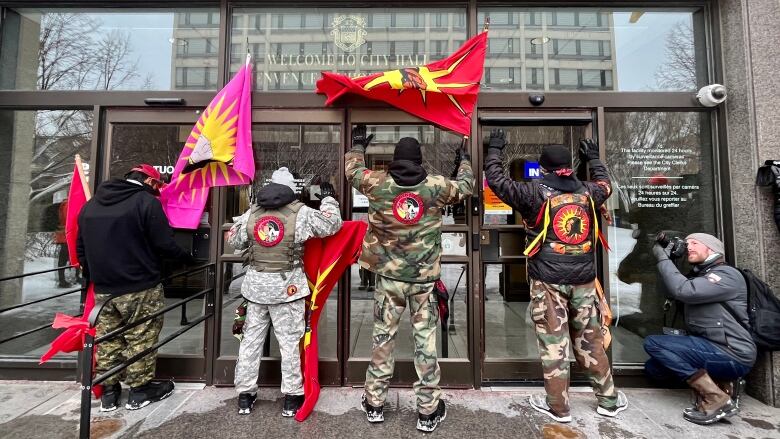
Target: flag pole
<point>248,53</point>
<point>83,178</point>
<point>487,24</point>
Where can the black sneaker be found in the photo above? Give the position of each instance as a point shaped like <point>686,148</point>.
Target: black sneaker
<point>109,400</point>
<point>428,423</point>
<point>245,402</point>
<point>148,393</point>
<point>291,405</point>
<point>373,414</point>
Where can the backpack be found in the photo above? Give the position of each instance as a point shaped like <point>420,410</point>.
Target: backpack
<point>763,312</point>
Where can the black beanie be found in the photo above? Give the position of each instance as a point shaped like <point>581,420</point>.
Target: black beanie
<point>408,148</point>
<point>555,157</point>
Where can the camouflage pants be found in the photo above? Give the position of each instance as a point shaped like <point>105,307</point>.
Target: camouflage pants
<point>118,312</point>
<point>390,300</point>
<point>288,324</point>
<point>562,314</point>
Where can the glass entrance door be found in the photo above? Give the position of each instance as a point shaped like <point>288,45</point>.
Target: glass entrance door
<point>510,352</point>
<point>453,339</point>
<point>157,138</point>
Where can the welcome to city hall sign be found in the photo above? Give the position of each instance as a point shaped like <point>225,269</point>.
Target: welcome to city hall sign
<point>349,35</point>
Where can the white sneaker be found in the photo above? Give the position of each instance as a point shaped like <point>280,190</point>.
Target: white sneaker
<point>539,403</point>
<point>622,404</point>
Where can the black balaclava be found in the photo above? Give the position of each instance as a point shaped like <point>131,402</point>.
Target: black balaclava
<point>406,167</point>
<point>408,148</point>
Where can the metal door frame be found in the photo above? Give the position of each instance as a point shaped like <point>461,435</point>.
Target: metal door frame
<point>511,370</point>
<point>459,371</point>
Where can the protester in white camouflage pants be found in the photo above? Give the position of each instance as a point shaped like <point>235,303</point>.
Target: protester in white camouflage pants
<point>275,284</point>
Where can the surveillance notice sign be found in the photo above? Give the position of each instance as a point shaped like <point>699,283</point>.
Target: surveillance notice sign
<point>492,204</point>
<point>661,177</point>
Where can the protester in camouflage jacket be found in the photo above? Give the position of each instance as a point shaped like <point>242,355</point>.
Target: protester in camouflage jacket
<point>404,214</point>
<point>403,247</point>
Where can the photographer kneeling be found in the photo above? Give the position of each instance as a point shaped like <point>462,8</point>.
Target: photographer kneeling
<point>719,350</point>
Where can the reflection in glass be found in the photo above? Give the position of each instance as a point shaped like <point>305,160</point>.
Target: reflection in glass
<point>105,49</point>
<point>594,49</point>
<point>310,152</point>
<point>455,341</point>
<point>290,47</point>
<point>38,149</point>
<point>662,178</point>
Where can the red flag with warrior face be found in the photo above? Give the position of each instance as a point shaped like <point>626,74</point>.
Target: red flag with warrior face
<point>443,92</point>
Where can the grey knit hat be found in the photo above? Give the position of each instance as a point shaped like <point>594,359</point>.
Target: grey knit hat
<point>710,241</point>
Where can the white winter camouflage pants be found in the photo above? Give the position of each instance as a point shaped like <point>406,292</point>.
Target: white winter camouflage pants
<point>288,324</point>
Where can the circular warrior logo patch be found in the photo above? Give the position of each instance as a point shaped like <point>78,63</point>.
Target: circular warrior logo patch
<point>269,231</point>
<point>408,208</point>
<point>291,290</point>
<point>571,224</point>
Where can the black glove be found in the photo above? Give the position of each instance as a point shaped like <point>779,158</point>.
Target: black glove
<point>326,190</point>
<point>589,150</point>
<point>661,252</point>
<point>462,153</point>
<point>497,139</point>
<point>359,139</point>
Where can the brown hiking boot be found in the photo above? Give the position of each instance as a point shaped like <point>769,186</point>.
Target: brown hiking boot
<point>714,404</point>
<point>731,388</point>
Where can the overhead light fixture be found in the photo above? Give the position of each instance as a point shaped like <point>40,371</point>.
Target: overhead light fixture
<point>538,41</point>
<point>635,16</point>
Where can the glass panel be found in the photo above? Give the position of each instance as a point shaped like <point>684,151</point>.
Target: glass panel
<point>509,332</point>
<point>359,41</point>
<point>453,244</point>
<point>105,49</point>
<point>524,144</point>
<point>662,176</point>
<point>37,150</point>
<point>455,342</point>
<point>654,49</point>
<point>160,146</point>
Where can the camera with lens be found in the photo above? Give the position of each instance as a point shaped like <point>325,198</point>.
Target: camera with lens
<point>679,246</point>
<point>769,174</point>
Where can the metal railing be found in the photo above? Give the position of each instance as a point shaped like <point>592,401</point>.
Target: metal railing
<point>90,342</point>
<point>81,289</point>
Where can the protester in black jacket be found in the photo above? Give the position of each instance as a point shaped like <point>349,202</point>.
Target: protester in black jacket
<point>123,235</point>
<point>719,347</point>
<point>559,211</point>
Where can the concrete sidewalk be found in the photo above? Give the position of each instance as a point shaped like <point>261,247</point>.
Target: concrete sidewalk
<point>51,409</point>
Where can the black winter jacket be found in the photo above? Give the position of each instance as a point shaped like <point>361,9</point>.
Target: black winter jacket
<point>704,293</point>
<point>123,235</point>
<point>528,199</point>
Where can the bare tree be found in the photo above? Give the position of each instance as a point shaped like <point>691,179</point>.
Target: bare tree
<point>113,67</point>
<point>64,51</point>
<point>679,70</point>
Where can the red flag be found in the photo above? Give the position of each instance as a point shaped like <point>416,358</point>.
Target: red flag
<point>442,92</point>
<point>324,261</point>
<point>78,194</point>
<point>76,328</point>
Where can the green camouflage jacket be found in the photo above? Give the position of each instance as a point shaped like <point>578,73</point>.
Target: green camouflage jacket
<point>403,241</point>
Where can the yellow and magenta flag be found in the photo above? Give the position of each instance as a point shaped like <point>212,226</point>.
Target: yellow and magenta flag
<point>218,152</point>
